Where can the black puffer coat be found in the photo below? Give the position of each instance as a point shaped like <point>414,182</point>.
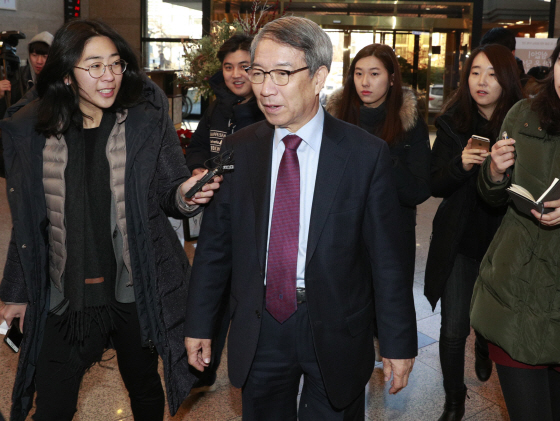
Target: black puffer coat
<point>223,117</point>
<point>458,189</point>
<point>154,169</point>
<point>410,153</point>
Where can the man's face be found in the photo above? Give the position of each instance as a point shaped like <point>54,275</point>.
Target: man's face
<point>235,76</point>
<point>37,61</point>
<point>293,105</point>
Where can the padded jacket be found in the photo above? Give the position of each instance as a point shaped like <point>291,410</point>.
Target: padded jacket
<point>410,155</point>
<point>516,298</point>
<point>457,187</point>
<point>154,169</point>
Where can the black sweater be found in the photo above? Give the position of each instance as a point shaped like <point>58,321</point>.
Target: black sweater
<point>224,116</point>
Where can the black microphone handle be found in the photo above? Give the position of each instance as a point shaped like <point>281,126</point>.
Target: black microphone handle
<point>207,177</point>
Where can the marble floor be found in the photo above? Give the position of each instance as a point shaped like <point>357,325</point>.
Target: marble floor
<point>104,398</point>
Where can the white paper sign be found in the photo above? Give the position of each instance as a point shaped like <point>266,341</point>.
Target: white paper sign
<point>534,51</point>
<point>8,4</point>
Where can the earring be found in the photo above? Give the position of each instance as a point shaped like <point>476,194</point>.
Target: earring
<point>67,83</point>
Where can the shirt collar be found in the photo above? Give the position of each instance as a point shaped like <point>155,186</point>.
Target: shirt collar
<point>311,133</point>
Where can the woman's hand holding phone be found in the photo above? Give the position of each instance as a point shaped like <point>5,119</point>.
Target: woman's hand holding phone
<point>12,311</point>
<point>471,156</point>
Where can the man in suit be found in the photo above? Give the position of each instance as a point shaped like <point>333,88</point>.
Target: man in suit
<point>307,225</point>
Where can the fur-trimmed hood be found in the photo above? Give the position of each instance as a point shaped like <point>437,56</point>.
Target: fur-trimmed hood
<point>408,112</point>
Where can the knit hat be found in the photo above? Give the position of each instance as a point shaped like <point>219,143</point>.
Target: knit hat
<point>44,36</point>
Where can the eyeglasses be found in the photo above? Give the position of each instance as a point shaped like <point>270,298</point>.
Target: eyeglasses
<point>279,77</point>
<point>96,70</point>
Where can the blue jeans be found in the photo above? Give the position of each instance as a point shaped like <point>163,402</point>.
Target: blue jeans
<point>455,322</point>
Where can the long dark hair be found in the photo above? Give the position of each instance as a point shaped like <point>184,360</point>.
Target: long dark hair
<point>462,104</point>
<point>547,103</point>
<point>351,102</point>
<point>60,103</point>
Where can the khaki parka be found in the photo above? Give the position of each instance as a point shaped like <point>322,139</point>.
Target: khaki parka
<point>516,298</point>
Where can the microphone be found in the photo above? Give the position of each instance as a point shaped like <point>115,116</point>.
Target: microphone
<point>222,162</point>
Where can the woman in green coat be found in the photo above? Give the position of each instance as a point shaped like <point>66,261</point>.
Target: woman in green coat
<point>516,299</point>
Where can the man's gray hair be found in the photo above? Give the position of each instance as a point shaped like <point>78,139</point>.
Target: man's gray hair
<point>301,34</point>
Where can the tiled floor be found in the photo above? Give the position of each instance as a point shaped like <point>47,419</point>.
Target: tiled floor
<point>104,398</point>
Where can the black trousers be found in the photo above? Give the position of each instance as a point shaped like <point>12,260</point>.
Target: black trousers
<point>58,376</point>
<point>456,324</point>
<point>530,395</point>
<point>285,352</point>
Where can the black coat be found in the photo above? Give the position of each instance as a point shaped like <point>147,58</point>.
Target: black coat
<point>354,246</point>
<point>410,153</point>
<point>410,156</point>
<point>20,85</point>
<point>411,162</point>
<point>154,169</point>
<point>224,116</point>
<point>458,189</point>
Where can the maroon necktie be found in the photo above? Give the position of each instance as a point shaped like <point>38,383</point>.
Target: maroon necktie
<point>284,236</point>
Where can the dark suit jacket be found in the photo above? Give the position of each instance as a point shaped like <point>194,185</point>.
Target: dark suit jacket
<point>353,247</point>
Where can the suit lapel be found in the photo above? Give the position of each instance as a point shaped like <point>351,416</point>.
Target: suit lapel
<point>259,154</point>
<point>333,159</point>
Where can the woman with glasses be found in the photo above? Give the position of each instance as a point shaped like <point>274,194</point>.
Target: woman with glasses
<point>94,167</point>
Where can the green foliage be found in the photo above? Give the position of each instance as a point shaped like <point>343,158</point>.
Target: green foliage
<point>406,70</point>
<point>200,57</point>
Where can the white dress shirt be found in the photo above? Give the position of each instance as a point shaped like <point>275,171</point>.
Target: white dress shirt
<point>308,156</point>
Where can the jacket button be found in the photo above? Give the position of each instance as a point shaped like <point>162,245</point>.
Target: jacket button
<point>23,246</point>
<point>257,312</point>
<point>526,124</point>
<point>12,190</point>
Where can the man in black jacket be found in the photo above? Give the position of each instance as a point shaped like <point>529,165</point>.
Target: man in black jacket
<point>235,106</point>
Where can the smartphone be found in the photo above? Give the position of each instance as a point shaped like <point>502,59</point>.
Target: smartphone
<point>14,336</point>
<point>479,142</point>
